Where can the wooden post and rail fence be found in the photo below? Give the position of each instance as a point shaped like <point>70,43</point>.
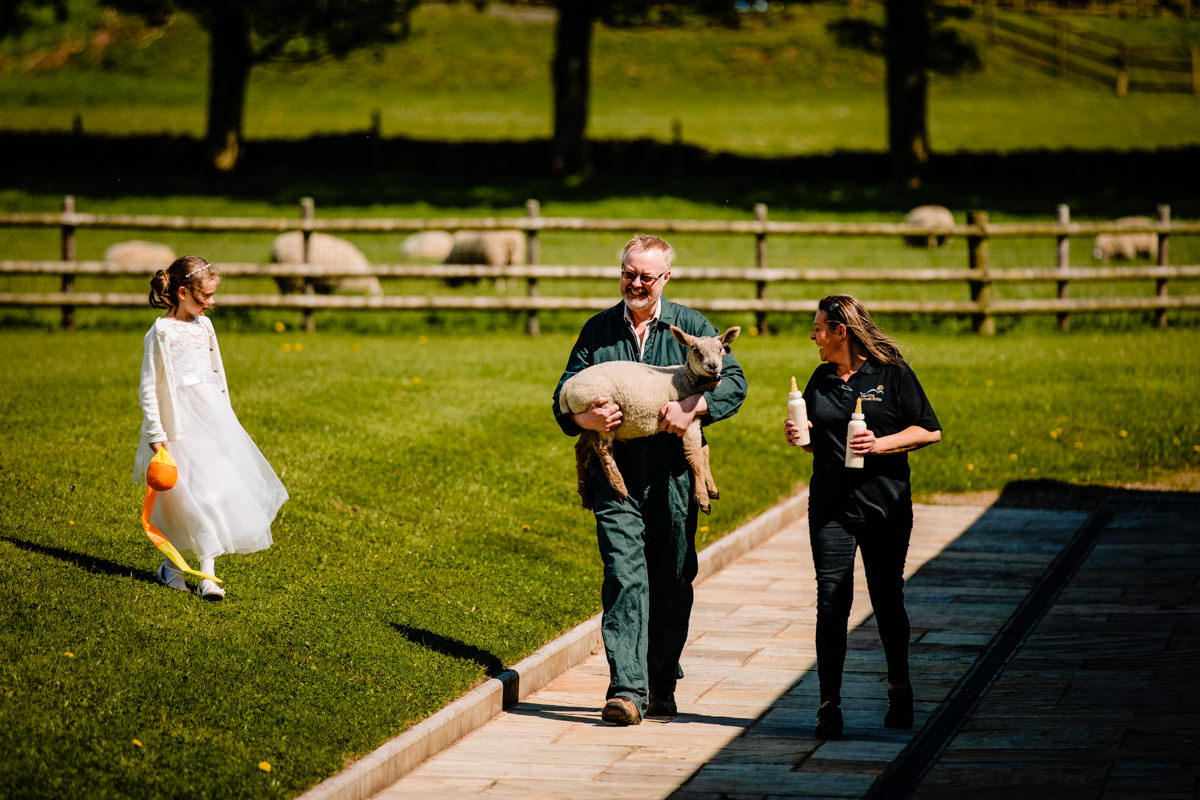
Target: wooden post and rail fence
<point>979,274</point>
<point>1065,50</point>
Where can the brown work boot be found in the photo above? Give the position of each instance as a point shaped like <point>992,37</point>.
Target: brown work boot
<point>662,704</point>
<point>621,711</point>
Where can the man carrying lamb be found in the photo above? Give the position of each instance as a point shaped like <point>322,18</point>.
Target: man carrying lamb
<point>647,542</point>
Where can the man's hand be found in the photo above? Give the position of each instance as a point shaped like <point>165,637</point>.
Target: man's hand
<point>677,415</point>
<point>602,416</point>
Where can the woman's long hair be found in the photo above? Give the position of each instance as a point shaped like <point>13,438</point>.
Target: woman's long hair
<point>846,310</point>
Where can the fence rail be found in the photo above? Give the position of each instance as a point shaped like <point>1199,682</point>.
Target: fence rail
<point>1055,45</point>
<point>979,275</point>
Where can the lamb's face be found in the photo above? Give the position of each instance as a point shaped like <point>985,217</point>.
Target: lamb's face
<point>706,352</point>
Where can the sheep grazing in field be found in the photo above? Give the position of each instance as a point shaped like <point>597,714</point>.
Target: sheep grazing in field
<point>328,251</point>
<point>427,246</point>
<point>493,248</point>
<point>1127,245</point>
<point>140,252</point>
<point>641,390</point>
<point>927,217</point>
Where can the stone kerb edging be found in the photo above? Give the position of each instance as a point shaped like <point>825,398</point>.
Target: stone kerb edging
<point>396,758</point>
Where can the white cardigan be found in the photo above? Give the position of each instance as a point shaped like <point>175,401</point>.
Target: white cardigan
<point>160,421</point>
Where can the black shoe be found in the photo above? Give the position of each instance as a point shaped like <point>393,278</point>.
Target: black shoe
<point>662,705</point>
<point>900,707</point>
<point>621,711</point>
<point>829,721</point>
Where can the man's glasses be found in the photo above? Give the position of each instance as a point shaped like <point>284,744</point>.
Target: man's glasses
<point>647,280</point>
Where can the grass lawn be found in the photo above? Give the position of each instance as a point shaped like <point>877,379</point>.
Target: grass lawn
<point>432,536</point>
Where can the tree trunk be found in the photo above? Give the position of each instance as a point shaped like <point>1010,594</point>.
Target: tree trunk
<point>572,78</point>
<point>229,72</point>
<point>906,51</point>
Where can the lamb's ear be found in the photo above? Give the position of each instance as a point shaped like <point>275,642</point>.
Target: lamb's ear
<point>683,337</point>
<point>728,336</point>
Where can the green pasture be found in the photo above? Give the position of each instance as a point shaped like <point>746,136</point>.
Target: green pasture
<point>433,535</point>
<point>776,85</point>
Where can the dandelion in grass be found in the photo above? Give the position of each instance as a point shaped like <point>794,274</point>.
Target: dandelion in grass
<point>1079,445</point>
<point>704,529</point>
<point>1177,441</point>
<point>287,347</point>
<point>1054,433</point>
<point>416,379</point>
<point>989,383</point>
<point>280,327</point>
<point>137,743</point>
<point>754,330</point>
<point>298,346</point>
<point>422,339</point>
<point>264,766</point>
<point>970,467</point>
<point>1033,470</point>
<point>69,654</point>
<point>1013,456</point>
<point>70,522</point>
<point>526,528</point>
<point>1124,434</point>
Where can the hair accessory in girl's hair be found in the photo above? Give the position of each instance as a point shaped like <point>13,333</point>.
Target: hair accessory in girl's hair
<point>160,477</point>
<point>198,269</point>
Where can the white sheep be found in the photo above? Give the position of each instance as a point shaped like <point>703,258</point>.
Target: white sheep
<point>427,246</point>
<point>641,390</point>
<point>140,252</point>
<point>328,251</point>
<point>494,248</point>
<point>929,217</point>
<point>1127,245</point>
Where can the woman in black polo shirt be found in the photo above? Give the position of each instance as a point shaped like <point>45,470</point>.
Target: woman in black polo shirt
<point>868,509</point>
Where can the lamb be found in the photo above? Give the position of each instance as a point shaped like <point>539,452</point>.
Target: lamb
<point>140,252</point>
<point>641,390</point>
<point>493,248</point>
<point>329,251</point>
<point>929,217</point>
<point>427,246</point>
<point>1127,245</point>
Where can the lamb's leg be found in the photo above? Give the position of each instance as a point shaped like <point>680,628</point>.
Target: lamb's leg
<point>583,457</point>
<point>713,494</point>
<point>693,450</point>
<point>603,448</point>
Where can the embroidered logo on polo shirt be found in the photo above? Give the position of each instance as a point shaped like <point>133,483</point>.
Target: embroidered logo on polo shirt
<point>873,395</point>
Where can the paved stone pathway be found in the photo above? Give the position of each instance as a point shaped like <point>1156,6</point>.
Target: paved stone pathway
<point>1101,699</point>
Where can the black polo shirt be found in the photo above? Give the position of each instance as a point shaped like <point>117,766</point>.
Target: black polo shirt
<point>892,401</point>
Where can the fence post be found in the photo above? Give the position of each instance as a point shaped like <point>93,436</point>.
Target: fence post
<point>1196,70</point>
<point>68,254</point>
<point>760,261</point>
<point>978,260</point>
<point>307,214</point>
<point>1060,47</point>
<point>1123,70</point>
<point>1164,243</point>
<point>1064,259</point>
<point>533,210</point>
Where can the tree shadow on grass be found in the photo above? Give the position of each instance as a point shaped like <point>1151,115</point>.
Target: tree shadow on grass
<point>84,561</point>
<point>451,647</point>
<point>360,170</point>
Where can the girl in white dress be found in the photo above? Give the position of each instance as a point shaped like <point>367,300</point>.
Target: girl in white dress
<point>227,494</point>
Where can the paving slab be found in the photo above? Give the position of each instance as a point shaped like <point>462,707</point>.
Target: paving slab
<point>1099,698</point>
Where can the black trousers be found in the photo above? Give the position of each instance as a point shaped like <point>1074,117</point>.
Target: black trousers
<point>884,549</point>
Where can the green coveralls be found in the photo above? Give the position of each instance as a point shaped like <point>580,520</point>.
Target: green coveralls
<point>647,543</point>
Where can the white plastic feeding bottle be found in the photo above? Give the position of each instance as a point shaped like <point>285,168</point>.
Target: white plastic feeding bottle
<point>858,422</point>
<point>797,413</point>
